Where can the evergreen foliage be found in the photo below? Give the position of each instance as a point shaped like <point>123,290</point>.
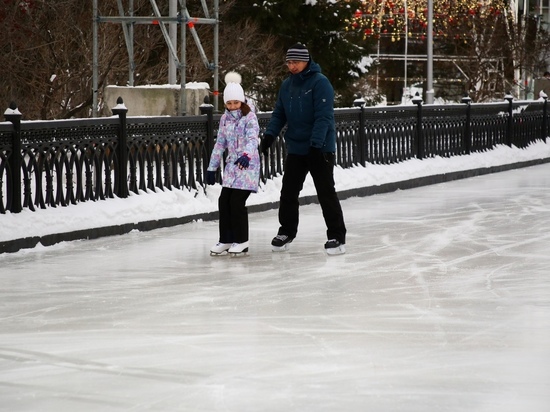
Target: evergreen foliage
<point>323,26</point>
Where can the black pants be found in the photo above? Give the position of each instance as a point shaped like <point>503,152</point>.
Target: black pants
<point>233,215</point>
<point>321,169</point>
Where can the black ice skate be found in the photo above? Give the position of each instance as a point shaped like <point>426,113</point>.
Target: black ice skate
<point>334,247</point>
<point>280,243</point>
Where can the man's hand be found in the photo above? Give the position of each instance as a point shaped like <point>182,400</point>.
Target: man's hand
<point>266,143</point>
<point>315,154</point>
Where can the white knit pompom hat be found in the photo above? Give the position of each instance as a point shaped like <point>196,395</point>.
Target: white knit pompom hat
<point>233,89</point>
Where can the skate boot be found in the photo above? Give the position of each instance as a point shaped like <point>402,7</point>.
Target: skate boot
<point>238,248</point>
<point>219,249</point>
<point>280,243</point>
<point>334,247</point>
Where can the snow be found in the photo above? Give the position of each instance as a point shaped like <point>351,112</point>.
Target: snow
<point>190,85</point>
<point>176,203</point>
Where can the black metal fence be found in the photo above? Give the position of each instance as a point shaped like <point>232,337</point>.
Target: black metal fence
<point>59,163</point>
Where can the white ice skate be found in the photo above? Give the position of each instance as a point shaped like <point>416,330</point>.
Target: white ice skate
<point>334,247</point>
<point>238,249</point>
<point>219,249</point>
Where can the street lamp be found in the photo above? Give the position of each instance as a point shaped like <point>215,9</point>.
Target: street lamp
<point>430,45</point>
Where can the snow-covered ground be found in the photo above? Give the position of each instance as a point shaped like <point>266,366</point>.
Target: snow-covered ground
<point>178,203</point>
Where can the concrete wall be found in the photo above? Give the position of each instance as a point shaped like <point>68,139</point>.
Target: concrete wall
<point>162,100</point>
<point>542,84</point>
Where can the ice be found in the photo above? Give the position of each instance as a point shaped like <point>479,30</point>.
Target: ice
<point>441,303</point>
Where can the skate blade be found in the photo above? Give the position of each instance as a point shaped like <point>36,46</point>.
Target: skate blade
<point>283,248</point>
<point>238,254</point>
<point>218,254</point>
<point>340,250</point>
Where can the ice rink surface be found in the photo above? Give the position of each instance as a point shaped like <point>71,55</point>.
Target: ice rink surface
<point>441,303</point>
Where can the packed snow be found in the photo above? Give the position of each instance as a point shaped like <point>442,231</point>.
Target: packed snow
<point>154,205</point>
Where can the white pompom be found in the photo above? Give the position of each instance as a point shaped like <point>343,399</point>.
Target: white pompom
<point>233,77</point>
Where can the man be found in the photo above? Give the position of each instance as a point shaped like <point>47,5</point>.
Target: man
<point>305,104</point>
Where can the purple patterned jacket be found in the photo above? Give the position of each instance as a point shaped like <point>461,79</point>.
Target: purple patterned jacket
<point>238,134</point>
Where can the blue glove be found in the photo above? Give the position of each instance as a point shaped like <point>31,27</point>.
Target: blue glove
<point>243,161</point>
<point>210,177</point>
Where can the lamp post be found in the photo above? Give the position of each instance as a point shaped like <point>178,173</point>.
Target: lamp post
<point>405,90</point>
<point>429,84</point>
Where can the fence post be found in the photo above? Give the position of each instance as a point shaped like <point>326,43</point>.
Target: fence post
<point>467,127</point>
<point>13,115</point>
<point>510,125</point>
<point>360,102</point>
<point>207,109</point>
<point>419,135</point>
<point>120,110</point>
<point>544,133</point>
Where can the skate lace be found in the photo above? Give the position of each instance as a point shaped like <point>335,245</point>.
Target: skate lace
<point>281,237</point>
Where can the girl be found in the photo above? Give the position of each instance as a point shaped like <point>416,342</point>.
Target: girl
<point>238,133</point>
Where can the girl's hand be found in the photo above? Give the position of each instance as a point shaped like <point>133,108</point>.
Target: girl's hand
<point>243,161</point>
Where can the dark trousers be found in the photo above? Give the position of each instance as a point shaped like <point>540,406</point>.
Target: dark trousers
<point>321,169</point>
<point>233,215</point>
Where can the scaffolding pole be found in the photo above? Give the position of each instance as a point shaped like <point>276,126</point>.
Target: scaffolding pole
<point>95,63</point>
<point>183,20</point>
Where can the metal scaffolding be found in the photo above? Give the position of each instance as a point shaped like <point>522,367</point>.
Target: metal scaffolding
<point>177,19</point>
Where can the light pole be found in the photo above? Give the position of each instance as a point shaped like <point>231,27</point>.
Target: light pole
<point>405,91</point>
<point>429,84</point>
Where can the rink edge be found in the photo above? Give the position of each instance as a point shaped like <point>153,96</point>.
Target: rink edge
<point>15,245</point>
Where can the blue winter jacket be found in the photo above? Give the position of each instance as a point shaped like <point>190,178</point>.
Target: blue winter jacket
<point>306,105</point>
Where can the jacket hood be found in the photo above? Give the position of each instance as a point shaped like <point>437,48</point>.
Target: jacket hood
<point>310,69</point>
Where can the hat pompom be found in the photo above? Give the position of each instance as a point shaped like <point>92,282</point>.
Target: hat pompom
<point>233,77</point>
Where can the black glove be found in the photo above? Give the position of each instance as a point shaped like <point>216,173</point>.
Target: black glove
<point>210,177</point>
<point>243,161</point>
<point>266,143</point>
<point>315,154</point>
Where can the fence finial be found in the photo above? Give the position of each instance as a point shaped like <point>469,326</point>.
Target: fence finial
<point>359,101</point>
<point>417,99</point>
<point>120,107</point>
<point>12,110</point>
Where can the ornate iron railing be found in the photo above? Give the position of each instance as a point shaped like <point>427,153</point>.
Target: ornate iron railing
<point>59,163</point>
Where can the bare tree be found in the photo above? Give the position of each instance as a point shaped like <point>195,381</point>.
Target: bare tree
<point>46,54</point>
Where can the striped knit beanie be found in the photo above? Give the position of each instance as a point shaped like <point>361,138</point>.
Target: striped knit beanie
<point>298,53</point>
